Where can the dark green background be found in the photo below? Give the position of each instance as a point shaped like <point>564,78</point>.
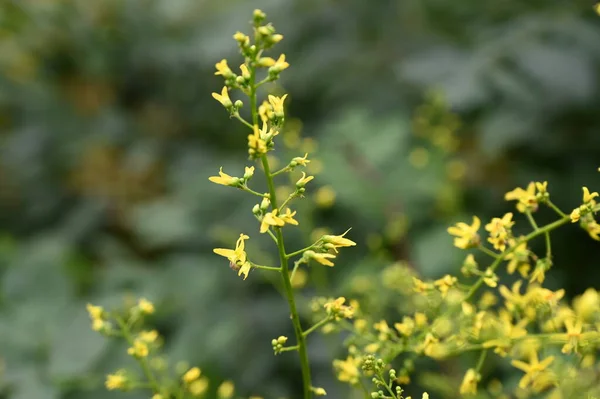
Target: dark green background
<point>108,133</point>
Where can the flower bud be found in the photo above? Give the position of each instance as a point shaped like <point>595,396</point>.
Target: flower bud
<point>258,16</point>
<point>265,203</point>
<point>238,104</point>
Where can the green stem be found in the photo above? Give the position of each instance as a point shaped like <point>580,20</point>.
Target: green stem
<point>531,220</point>
<point>276,269</point>
<point>282,170</point>
<point>556,209</point>
<point>285,274</point>
<point>141,360</point>
<point>387,386</point>
<point>289,348</point>
<point>296,265</point>
<point>288,199</point>
<point>488,251</point>
<point>249,190</point>
<point>548,247</point>
<point>298,252</point>
<point>317,326</point>
<point>245,122</point>
<point>481,360</point>
<point>502,256</point>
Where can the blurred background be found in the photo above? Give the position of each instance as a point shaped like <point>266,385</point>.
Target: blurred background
<point>417,113</point>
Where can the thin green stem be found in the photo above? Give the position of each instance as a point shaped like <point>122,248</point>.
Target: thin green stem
<point>249,190</point>
<point>245,122</point>
<point>530,236</point>
<point>288,199</point>
<point>548,246</point>
<point>531,220</point>
<point>289,348</point>
<point>141,360</point>
<point>285,275</point>
<point>387,386</point>
<point>271,268</point>
<point>296,266</point>
<point>556,209</point>
<point>481,360</point>
<point>298,252</point>
<point>488,252</point>
<point>318,325</point>
<point>282,170</point>
<point>272,235</point>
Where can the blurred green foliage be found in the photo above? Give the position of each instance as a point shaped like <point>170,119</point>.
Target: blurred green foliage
<point>108,134</point>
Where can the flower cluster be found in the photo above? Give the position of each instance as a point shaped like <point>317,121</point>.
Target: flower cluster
<point>525,322</point>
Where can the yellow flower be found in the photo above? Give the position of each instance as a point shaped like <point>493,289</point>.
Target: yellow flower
<point>318,391</point>
<point>288,217</point>
<point>198,387</point>
<point>148,336</point>
<point>265,111</point>
<point>116,381</point>
<point>587,305</point>
<point>302,161</point>
<point>266,62</point>
<point>466,236</point>
<point>500,231</point>
<point>277,104</point>
<point>242,39</point>
<point>420,286</point>
<point>597,9</point>
<point>223,69</point>
<point>322,258</point>
<point>519,260</point>
<point>347,370</point>
<point>303,180</point>
<point>338,310</point>
<point>335,242</point>
<point>593,230</point>
<point>226,390</point>
<point>223,98</point>
<point>224,179</point>
<point>574,333</point>
<point>279,65</point>
<point>146,306</point>
<point>444,284</point>
<point>270,219</point>
<point>139,349</point>
<point>513,298</point>
<point>533,370</point>
<point>95,312</point>
<point>257,146</point>
<point>245,71</point>
<point>490,278</point>
<point>237,257</point>
<point>407,326</point>
<point>588,198</point>
<point>527,199</point>
<point>191,375</point>
<point>469,382</point>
